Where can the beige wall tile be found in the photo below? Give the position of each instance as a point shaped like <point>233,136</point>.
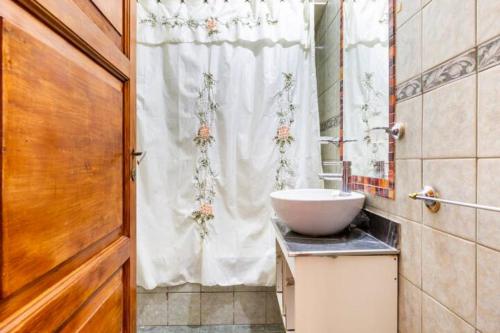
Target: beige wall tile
<point>330,152</point>
<point>408,9</point>
<point>448,271</point>
<point>408,45</point>
<point>249,308</point>
<point>488,24</point>
<point>381,203</point>
<point>488,115</point>
<point>410,258</point>
<point>332,40</point>
<point>320,78</point>
<point>321,29</point>
<point>184,309</point>
<point>488,290</point>
<point>152,309</point>
<point>488,193</point>
<point>437,319</point>
<point>449,120</point>
<point>216,308</point>
<point>329,102</point>
<point>330,13</point>
<point>440,18</point>
<point>273,315</point>
<point>332,9</point>
<point>331,71</point>
<point>410,307</point>
<point>408,179</point>
<point>410,114</point>
<point>455,179</point>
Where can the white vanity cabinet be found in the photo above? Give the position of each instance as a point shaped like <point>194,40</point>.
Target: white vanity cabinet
<point>321,293</point>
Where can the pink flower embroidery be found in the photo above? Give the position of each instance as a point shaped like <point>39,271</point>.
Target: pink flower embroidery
<point>283,132</point>
<point>212,26</point>
<point>206,209</point>
<point>204,132</point>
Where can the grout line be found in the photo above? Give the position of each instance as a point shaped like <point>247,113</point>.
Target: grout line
<point>407,20</point>
<point>447,308</point>
<point>423,292</point>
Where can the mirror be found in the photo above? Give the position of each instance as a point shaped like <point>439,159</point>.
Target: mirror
<point>367,94</point>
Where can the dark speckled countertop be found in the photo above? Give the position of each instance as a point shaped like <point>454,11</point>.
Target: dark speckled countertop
<point>352,241</point>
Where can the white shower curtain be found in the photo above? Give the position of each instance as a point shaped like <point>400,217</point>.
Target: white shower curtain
<point>211,120</point>
<point>366,84</point>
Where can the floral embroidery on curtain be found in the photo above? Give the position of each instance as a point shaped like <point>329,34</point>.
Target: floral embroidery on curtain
<point>284,138</point>
<point>235,21</point>
<point>204,177</point>
<point>373,103</point>
<point>210,24</point>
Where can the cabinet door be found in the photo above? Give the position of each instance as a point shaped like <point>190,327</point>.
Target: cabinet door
<point>67,227</point>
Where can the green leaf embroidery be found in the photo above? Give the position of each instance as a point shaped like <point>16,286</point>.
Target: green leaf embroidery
<point>284,138</point>
<point>204,177</point>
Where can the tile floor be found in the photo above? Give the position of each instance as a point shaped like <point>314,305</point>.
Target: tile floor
<point>213,329</point>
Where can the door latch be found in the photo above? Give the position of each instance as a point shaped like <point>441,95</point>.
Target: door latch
<point>135,155</point>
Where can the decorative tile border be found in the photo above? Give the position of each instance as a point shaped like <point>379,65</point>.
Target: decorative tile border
<point>452,70</point>
<point>488,54</point>
<point>329,123</point>
<point>472,61</point>
<point>409,89</point>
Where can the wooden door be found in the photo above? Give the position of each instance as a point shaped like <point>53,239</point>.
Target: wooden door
<point>67,261</point>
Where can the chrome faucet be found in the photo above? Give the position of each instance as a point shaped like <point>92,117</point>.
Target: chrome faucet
<point>345,177</point>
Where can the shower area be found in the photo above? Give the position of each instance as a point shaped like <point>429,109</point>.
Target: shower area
<point>227,113</point>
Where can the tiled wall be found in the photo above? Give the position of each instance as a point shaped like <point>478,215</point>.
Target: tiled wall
<point>448,74</point>
<point>192,304</point>
<point>327,73</point>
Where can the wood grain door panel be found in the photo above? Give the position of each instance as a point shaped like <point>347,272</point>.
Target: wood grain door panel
<point>62,158</point>
<point>113,11</point>
<point>54,306</point>
<point>103,313</point>
<point>67,200</point>
<point>95,14</point>
<point>70,21</point>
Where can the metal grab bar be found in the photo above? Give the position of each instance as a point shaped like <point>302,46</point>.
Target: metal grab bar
<point>433,202</point>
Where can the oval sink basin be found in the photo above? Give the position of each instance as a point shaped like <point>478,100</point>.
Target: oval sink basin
<point>316,212</point>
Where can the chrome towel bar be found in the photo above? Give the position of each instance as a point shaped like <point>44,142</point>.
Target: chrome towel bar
<point>433,202</point>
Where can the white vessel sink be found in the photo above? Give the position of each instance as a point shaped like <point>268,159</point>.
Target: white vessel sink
<point>316,212</point>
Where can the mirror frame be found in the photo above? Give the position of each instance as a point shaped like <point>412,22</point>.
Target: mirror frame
<point>384,187</point>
